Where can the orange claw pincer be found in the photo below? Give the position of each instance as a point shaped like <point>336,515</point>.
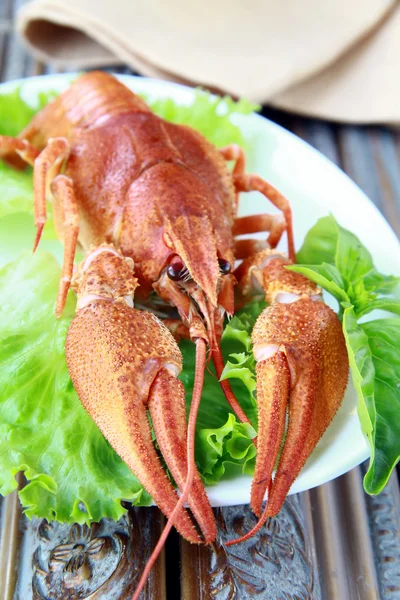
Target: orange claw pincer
<point>302,373</point>
<point>124,362</point>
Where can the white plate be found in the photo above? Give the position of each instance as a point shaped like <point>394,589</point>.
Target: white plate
<point>315,187</point>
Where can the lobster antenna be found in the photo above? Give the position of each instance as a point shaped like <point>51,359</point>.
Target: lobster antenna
<point>226,388</point>
<point>194,408</point>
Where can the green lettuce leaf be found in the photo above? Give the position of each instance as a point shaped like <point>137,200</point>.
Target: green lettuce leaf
<point>380,283</point>
<point>226,451</point>
<point>363,373</point>
<point>211,115</point>
<point>389,304</point>
<point>337,261</point>
<point>375,361</point>
<point>224,446</point>
<point>16,197</point>
<point>16,234</point>
<point>326,276</point>
<point>16,113</point>
<point>16,190</point>
<point>352,268</point>
<point>384,343</point>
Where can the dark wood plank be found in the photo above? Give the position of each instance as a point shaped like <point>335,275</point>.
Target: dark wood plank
<point>370,161</point>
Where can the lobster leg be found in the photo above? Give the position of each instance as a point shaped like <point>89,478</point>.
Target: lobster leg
<point>274,224</point>
<point>247,247</point>
<point>235,152</point>
<point>66,205</point>
<point>250,183</point>
<point>9,147</point>
<point>168,415</point>
<point>47,165</point>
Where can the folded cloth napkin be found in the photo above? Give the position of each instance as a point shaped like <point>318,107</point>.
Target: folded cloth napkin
<point>336,60</point>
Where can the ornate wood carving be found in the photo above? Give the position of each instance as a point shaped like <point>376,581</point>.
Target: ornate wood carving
<point>97,562</point>
<point>276,563</point>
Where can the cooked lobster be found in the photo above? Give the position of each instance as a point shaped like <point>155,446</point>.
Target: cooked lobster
<point>155,207</point>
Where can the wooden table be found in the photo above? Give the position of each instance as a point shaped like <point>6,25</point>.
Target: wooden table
<point>333,542</point>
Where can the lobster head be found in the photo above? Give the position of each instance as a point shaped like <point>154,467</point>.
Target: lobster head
<point>198,281</point>
<point>197,277</point>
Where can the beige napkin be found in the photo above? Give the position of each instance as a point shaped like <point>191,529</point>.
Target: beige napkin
<point>337,59</point>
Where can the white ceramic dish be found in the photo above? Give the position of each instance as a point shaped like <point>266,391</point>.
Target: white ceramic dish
<point>315,187</point>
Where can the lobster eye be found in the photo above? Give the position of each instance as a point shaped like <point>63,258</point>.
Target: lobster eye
<point>224,266</point>
<point>176,269</point>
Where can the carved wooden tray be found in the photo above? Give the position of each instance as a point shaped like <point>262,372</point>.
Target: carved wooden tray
<point>331,543</point>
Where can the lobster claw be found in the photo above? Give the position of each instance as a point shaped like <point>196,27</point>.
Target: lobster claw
<point>123,363</point>
<point>302,373</point>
